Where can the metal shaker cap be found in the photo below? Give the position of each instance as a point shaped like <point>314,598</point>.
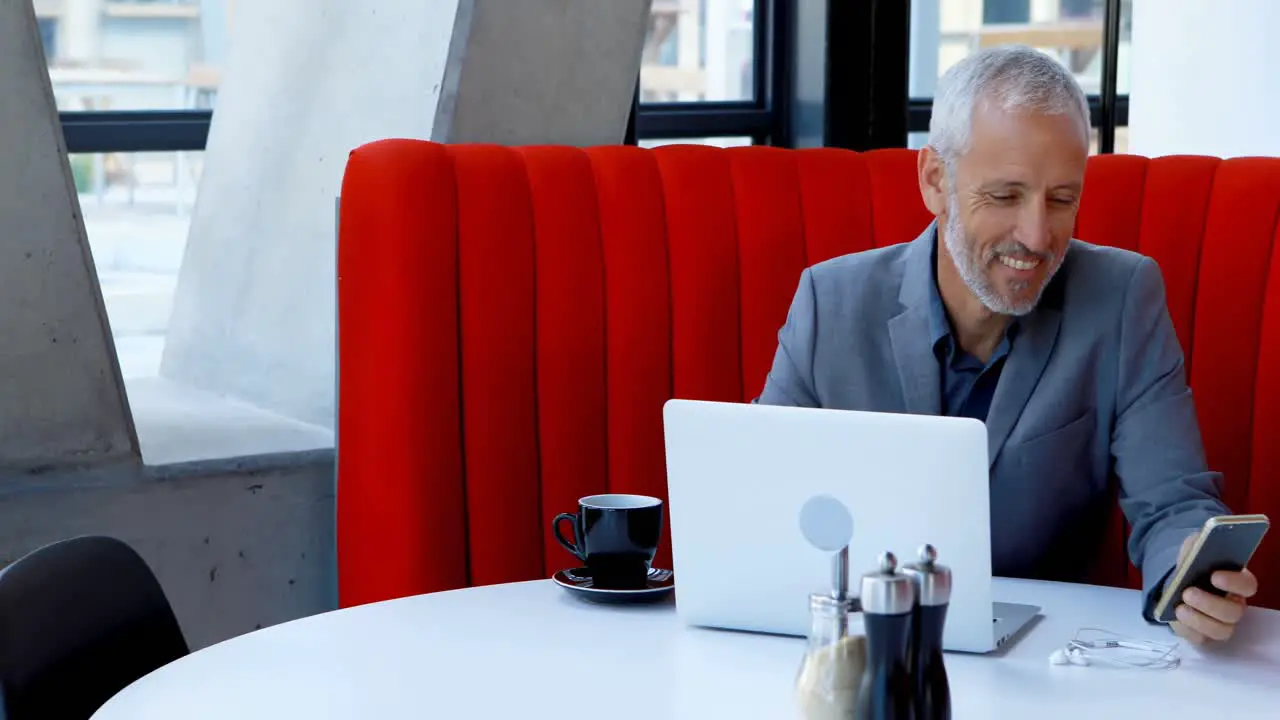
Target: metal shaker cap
<point>887,591</point>
<point>932,581</point>
<point>830,605</point>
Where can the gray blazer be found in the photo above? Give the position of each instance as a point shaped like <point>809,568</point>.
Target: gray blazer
<point>1093,389</point>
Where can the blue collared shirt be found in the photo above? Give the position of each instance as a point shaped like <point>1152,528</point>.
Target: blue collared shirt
<point>968,384</point>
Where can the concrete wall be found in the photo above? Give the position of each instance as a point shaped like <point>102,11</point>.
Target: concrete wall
<point>542,71</point>
<point>246,543</point>
<point>61,397</point>
<point>305,82</point>
<point>253,312</point>
<point>1202,75</point>
<point>237,546</point>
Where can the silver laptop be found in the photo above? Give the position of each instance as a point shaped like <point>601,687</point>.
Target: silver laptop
<point>739,474</point>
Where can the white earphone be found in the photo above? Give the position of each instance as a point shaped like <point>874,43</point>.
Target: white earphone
<point>1062,657</point>
<point>1147,654</point>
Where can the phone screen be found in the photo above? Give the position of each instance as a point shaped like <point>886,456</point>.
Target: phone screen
<point>1222,546</point>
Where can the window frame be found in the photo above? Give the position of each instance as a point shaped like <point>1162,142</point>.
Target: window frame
<point>127,131</point>
<point>766,118</point>
<point>763,118</point>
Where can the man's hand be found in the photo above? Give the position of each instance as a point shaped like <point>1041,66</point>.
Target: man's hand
<point>1203,616</point>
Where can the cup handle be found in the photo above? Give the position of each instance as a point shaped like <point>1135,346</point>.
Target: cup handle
<point>571,546</point>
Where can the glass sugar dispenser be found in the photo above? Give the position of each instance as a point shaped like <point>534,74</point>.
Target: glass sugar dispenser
<point>831,673</point>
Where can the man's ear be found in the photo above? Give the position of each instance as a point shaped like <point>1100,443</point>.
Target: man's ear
<point>933,178</point>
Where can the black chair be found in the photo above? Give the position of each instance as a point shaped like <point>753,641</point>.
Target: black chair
<point>79,620</point>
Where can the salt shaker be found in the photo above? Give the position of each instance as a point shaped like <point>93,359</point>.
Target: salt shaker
<point>929,674</point>
<point>888,604</point>
<point>831,672</point>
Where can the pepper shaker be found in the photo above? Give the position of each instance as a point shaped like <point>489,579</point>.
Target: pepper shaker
<point>888,602</point>
<point>929,674</point>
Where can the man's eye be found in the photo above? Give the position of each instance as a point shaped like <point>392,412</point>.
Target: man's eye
<point>1064,201</point>
<point>1003,197</point>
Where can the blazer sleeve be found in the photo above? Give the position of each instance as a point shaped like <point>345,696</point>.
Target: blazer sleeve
<point>1166,488</point>
<point>790,379</point>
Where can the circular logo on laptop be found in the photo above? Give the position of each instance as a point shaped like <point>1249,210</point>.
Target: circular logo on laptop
<point>826,523</point>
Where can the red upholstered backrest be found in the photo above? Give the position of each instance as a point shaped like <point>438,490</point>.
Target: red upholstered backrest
<point>1211,225</point>
<point>511,321</point>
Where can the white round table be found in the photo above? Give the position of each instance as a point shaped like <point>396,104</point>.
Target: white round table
<point>529,650</point>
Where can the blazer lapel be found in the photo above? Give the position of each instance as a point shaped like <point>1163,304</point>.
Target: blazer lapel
<point>917,366</point>
<point>1031,350</point>
<point>909,332</point>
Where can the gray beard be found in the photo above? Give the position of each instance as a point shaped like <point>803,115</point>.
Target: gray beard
<point>972,269</point>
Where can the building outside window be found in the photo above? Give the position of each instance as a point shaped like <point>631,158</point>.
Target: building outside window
<point>699,50</point>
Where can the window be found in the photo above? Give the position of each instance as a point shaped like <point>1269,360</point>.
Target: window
<point>136,54</point>
<point>1126,44</point>
<point>136,209</point>
<point>699,50</point>
<point>714,69</point>
<point>1072,31</point>
<point>1122,141</point>
<point>158,60</point>
<point>917,140</point>
<point>136,84</point>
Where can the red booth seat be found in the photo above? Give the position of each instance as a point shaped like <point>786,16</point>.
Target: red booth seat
<point>511,321</point>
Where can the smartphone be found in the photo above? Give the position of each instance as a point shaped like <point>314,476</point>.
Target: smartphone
<point>1226,542</point>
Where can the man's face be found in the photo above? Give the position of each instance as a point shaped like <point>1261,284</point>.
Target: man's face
<point>1011,206</point>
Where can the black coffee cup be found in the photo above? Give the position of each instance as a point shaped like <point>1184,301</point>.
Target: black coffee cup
<point>615,536</point>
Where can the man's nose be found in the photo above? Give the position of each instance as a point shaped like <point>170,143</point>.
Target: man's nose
<point>1033,226</point>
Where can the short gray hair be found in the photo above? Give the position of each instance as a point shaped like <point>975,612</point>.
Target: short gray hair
<point>1011,76</point>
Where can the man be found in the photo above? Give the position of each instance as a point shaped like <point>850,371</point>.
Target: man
<point>1064,349</point>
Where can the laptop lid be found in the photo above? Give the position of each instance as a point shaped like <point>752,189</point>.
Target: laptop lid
<point>739,474</point>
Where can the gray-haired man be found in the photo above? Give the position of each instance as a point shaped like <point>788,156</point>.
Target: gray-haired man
<point>1064,349</point>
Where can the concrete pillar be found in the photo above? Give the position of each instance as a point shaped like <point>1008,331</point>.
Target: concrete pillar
<point>62,400</point>
<point>305,81</point>
<point>542,71</point>
<point>308,80</point>
<point>1202,78</point>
